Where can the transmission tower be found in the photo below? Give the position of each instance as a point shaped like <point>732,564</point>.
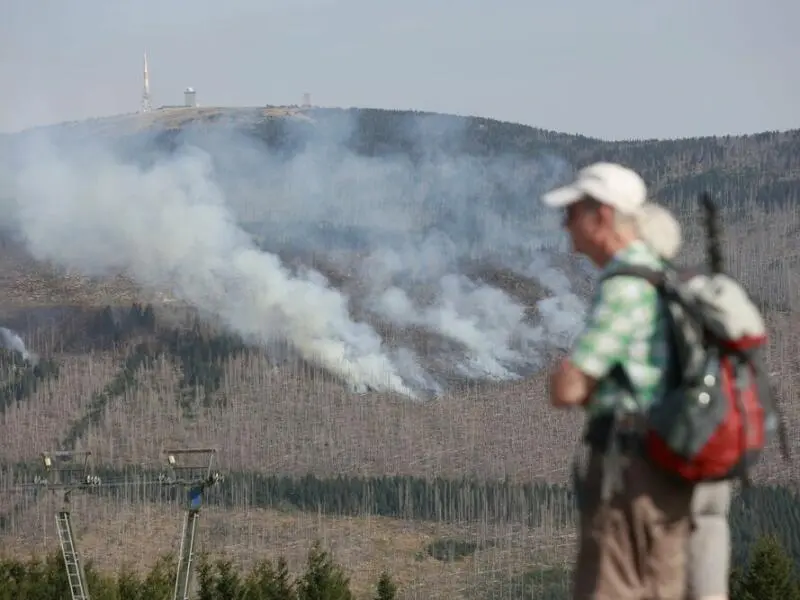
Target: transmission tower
<point>194,481</point>
<point>146,105</point>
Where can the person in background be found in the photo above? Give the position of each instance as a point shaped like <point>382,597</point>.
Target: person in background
<point>635,521</point>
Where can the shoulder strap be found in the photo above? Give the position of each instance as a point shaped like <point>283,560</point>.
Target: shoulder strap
<point>658,279</point>
<point>653,276</point>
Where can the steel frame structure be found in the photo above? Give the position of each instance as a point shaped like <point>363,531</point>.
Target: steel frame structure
<point>71,471</point>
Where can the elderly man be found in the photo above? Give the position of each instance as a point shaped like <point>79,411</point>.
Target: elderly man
<point>634,520</point>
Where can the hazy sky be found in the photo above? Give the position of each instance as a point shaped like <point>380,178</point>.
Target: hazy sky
<point>610,68</point>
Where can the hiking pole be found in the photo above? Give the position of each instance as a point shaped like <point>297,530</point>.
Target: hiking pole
<point>713,234</point>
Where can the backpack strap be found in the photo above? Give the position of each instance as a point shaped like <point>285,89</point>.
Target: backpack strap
<point>613,459</point>
<point>659,280</point>
<point>654,276</point>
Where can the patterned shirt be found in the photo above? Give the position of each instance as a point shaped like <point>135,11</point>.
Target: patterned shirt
<point>626,326</point>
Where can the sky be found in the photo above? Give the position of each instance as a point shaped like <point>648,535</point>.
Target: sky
<point>616,69</point>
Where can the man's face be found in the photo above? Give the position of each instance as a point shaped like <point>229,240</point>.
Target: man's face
<point>588,223</point>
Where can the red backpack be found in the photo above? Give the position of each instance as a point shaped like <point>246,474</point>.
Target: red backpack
<point>719,411</point>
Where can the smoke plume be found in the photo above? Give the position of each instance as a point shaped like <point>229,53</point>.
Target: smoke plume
<point>10,340</point>
<point>214,217</point>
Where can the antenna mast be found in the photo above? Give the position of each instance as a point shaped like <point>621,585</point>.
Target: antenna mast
<point>146,105</point>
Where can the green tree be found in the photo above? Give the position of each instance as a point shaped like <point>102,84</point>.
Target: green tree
<point>47,580</point>
<point>129,587</point>
<point>205,577</point>
<point>323,580</point>
<point>770,575</point>
<point>387,590</point>
<point>229,584</point>
<point>268,582</point>
<point>159,583</point>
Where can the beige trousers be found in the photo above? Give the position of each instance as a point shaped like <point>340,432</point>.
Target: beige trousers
<point>710,541</point>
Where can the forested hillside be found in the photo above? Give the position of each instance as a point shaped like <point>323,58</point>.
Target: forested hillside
<point>149,279</point>
<point>763,168</point>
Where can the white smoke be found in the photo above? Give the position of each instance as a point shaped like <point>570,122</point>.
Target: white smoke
<point>10,340</point>
<point>169,228</point>
<point>482,318</point>
<point>562,313</point>
<point>184,223</point>
<point>492,326</point>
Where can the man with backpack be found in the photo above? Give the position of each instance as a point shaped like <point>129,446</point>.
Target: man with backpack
<point>635,522</point>
<point>668,370</point>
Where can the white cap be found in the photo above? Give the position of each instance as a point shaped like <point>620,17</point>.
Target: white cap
<point>608,183</point>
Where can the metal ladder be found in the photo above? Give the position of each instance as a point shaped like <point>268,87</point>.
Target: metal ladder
<point>186,556</point>
<point>75,573</point>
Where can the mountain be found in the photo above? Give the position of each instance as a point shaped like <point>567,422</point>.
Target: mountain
<point>333,292</point>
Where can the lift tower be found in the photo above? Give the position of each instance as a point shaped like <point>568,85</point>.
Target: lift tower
<point>68,472</point>
<point>194,481</point>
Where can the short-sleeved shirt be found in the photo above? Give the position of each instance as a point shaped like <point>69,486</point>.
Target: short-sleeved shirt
<point>626,325</point>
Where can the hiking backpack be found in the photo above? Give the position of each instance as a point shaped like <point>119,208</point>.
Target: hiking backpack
<point>719,411</point>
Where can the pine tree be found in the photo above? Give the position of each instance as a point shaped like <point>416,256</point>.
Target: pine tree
<point>160,581</point>
<point>228,585</point>
<point>205,577</point>
<point>323,580</point>
<point>736,579</point>
<point>770,575</point>
<point>283,586</point>
<point>387,590</point>
<point>268,582</point>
